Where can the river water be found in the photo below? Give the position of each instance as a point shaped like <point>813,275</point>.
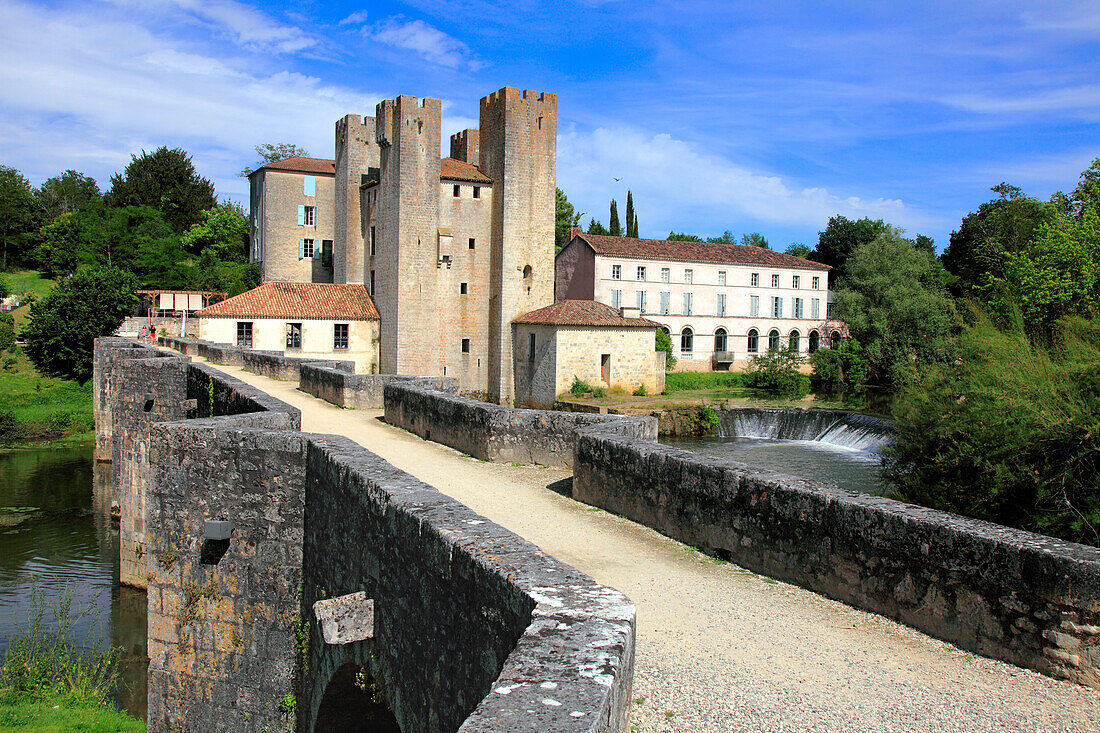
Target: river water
<point>64,539</point>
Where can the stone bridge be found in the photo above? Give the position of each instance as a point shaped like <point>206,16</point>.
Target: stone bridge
<point>349,589</point>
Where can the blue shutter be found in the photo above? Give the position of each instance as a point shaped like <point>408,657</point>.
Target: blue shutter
<point>301,215</point>
<point>301,248</point>
<point>309,185</point>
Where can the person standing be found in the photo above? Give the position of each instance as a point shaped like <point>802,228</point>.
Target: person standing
<point>153,334</point>
<point>144,333</point>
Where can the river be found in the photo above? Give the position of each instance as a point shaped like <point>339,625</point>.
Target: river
<point>62,539</point>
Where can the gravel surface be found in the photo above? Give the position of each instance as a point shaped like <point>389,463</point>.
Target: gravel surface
<point>720,648</point>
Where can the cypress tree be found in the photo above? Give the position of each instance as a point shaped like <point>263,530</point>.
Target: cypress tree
<point>614,226</point>
<point>630,215</point>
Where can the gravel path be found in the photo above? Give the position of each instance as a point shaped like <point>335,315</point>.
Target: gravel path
<point>720,648</point>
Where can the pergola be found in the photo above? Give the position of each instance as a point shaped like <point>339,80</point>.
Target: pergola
<point>163,303</point>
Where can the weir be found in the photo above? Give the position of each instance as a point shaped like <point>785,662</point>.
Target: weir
<point>836,427</point>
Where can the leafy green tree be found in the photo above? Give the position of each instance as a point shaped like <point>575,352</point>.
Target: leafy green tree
<point>725,237</point>
<point>798,250</point>
<point>1087,194</point>
<point>894,300</point>
<point>664,343</point>
<point>272,152</point>
<point>7,331</point>
<point>64,324</point>
<point>1009,432</point>
<point>631,216</point>
<point>595,227</point>
<point>755,239</point>
<point>777,371</point>
<point>66,193</point>
<point>18,213</point>
<point>565,218</point>
<point>5,288</point>
<point>842,367</point>
<point>683,237</point>
<point>223,228</point>
<point>614,227</point>
<point>164,179</point>
<point>62,246</point>
<point>925,243</point>
<point>841,236</point>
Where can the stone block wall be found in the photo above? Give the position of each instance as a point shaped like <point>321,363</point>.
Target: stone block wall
<point>497,433</point>
<point>333,382</point>
<point>1021,597</point>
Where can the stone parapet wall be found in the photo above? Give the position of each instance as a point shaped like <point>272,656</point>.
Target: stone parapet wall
<point>1025,598</point>
<point>334,382</point>
<point>497,433</point>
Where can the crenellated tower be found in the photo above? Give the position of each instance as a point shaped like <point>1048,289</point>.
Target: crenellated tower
<point>357,159</point>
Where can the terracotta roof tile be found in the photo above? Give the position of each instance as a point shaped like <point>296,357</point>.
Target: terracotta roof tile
<point>460,170</point>
<point>298,164</point>
<point>582,313</point>
<point>675,251</point>
<point>297,300</point>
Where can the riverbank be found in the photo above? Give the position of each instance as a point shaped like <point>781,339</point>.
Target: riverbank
<point>44,712</point>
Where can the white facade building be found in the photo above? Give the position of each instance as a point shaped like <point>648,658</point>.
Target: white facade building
<point>721,303</point>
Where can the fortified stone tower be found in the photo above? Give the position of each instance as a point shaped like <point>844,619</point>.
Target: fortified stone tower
<point>356,154</point>
<point>464,146</point>
<point>407,130</point>
<point>518,150</point>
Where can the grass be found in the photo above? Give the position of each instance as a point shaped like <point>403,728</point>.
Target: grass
<point>42,408</point>
<point>49,712</point>
<point>684,381</point>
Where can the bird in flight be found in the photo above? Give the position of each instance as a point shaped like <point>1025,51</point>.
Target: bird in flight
<point>617,179</point>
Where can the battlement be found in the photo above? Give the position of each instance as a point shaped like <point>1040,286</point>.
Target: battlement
<point>513,95</point>
<point>406,111</point>
<point>465,145</point>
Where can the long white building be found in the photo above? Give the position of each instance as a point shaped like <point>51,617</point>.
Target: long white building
<point>721,303</point>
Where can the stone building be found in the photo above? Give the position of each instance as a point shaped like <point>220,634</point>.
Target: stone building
<point>322,320</point>
<point>721,303</point>
<point>585,340</point>
<point>450,250</point>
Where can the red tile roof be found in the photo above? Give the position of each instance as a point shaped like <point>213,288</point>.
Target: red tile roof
<point>297,300</point>
<point>583,313</point>
<point>675,251</point>
<point>297,164</point>
<point>460,170</point>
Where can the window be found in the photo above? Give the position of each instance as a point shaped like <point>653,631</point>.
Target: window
<point>665,274</point>
<point>372,235</point>
<point>309,216</point>
<point>326,253</point>
<point>777,307</point>
<point>471,242</point>
<point>244,334</point>
<point>687,340</point>
<point>815,341</point>
<point>815,283</point>
<point>798,307</point>
<point>754,305</point>
<point>616,272</point>
<point>793,340</point>
<point>340,336</point>
<point>531,347</point>
<point>775,281</point>
<point>463,288</point>
<point>720,340</point>
<point>616,299</point>
<point>689,299</point>
<point>754,341</point>
<point>465,346</point>
<point>641,301</point>
<point>457,190</point>
<point>294,335</point>
<point>665,307</point>
<point>815,309</point>
<point>641,274</point>
<point>829,311</point>
<point>795,280</point>
<point>773,340</point>
<point>755,280</point>
<point>688,276</point>
<point>309,185</point>
<point>371,291</point>
<point>721,277</point>
<point>721,304</point>
<point>834,339</point>
<point>477,192</point>
<point>306,249</point>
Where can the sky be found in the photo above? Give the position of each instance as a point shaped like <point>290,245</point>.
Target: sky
<point>763,117</point>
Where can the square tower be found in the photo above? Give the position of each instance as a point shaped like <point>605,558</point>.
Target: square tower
<point>356,154</point>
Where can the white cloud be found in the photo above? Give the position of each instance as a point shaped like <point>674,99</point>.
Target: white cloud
<point>355,18</point>
<point>428,42</point>
<point>680,187</point>
<point>246,26</point>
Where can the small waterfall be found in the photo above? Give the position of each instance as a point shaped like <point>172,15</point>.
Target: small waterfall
<point>835,427</point>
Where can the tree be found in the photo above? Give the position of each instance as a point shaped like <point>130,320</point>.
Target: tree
<point>842,367</point>
<point>62,246</point>
<point>595,227</point>
<point>755,239</point>
<point>798,249</point>
<point>164,179</point>
<point>18,212</point>
<point>925,243</point>
<point>64,324</point>
<point>565,218</point>
<point>664,343</point>
<point>66,193</point>
<point>683,237</point>
<point>222,228</point>
<point>272,152</point>
<point>1087,194</point>
<point>725,238</point>
<point>7,331</point>
<point>895,303</point>
<point>631,216</point>
<point>840,238</point>
<point>614,227</point>
<point>777,371</point>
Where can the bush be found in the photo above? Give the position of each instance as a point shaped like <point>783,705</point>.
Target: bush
<point>664,343</point>
<point>7,331</point>
<point>640,392</point>
<point>840,368</point>
<point>579,388</point>
<point>1009,433</point>
<point>599,392</point>
<point>11,431</point>
<point>680,381</point>
<point>776,372</point>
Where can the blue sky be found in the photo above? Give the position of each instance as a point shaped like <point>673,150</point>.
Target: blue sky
<point>766,117</point>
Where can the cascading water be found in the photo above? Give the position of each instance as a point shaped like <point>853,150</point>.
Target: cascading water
<point>835,427</point>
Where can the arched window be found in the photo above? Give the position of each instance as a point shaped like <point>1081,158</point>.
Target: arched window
<point>754,341</point>
<point>773,340</point>
<point>794,341</point>
<point>720,340</point>
<point>815,341</point>
<point>687,340</point>
<point>834,339</point>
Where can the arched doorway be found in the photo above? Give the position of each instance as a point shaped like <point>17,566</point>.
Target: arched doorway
<point>815,341</point>
<point>794,341</point>
<point>351,703</point>
<point>834,339</point>
<point>773,340</point>
<point>720,341</point>
<point>754,341</point>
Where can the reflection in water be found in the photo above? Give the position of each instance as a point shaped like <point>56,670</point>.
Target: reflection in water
<point>65,538</point>
<point>848,469</point>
